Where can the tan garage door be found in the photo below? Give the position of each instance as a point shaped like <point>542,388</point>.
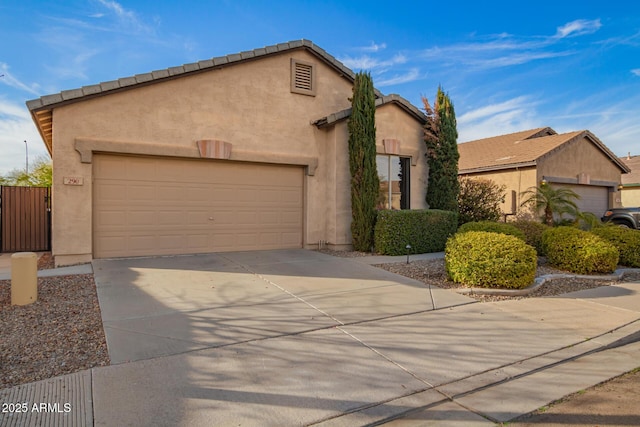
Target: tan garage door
<point>158,206</point>
<point>593,199</point>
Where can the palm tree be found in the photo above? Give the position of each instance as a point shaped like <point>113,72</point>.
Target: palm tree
<point>551,200</point>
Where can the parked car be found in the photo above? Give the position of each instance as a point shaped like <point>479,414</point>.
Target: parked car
<point>624,217</point>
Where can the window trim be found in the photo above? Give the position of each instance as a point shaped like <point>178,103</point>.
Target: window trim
<point>405,184</point>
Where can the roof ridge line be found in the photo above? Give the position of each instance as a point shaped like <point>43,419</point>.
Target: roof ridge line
<point>73,95</point>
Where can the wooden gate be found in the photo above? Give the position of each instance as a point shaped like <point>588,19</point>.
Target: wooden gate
<point>25,219</point>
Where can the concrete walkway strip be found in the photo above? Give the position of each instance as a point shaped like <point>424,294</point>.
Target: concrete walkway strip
<point>60,271</point>
<point>60,401</point>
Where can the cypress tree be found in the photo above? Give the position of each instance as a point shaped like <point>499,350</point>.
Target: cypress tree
<point>362,162</point>
<point>441,138</point>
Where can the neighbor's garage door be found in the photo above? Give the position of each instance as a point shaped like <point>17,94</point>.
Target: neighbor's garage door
<point>593,199</point>
<point>159,206</point>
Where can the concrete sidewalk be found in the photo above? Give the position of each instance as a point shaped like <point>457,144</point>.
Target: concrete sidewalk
<point>303,338</point>
<point>5,269</point>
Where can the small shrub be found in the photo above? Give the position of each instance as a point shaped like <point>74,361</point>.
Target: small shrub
<point>425,230</point>
<point>626,240</point>
<point>587,221</point>
<point>581,252</point>
<point>479,200</point>
<point>532,233</point>
<point>492,227</point>
<point>485,259</point>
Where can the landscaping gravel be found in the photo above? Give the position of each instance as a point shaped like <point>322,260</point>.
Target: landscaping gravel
<point>58,334</point>
<point>432,272</point>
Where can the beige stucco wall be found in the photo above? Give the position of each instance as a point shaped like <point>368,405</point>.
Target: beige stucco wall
<point>630,197</point>
<point>249,105</point>
<point>583,157</point>
<point>576,158</point>
<point>515,182</point>
<point>392,122</point>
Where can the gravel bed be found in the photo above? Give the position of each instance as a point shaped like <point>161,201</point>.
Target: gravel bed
<point>432,272</point>
<point>60,333</point>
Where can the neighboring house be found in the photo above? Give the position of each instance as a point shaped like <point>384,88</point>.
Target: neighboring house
<point>242,152</point>
<point>630,193</point>
<point>522,160</point>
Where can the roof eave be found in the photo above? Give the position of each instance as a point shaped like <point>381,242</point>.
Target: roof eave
<point>333,118</point>
<point>492,168</point>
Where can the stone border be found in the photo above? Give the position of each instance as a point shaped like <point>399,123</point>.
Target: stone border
<point>539,281</point>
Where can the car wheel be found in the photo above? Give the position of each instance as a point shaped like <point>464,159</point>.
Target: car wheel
<point>623,224</point>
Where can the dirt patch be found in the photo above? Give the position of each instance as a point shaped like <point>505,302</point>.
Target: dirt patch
<point>612,403</point>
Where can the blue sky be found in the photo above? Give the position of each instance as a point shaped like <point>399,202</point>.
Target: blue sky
<point>570,65</point>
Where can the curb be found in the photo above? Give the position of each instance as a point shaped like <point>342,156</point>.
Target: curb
<point>539,281</point>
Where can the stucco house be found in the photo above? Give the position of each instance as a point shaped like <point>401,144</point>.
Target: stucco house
<point>241,152</point>
<point>576,160</point>
<point>630,192</point>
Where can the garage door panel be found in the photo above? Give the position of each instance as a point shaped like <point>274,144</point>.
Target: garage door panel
<point>594,199</point>
<point>156,206</point>
<point>171,217</point>
<point>111,218</point>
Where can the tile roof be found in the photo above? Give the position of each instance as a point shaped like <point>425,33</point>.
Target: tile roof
<point>384,100</point>
<point>172,72</point>
<point>41,108</point>
<point>519,149</point>
<point>633,177</point>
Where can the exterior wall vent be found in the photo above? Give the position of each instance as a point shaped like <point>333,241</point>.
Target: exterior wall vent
<point>303,79</point>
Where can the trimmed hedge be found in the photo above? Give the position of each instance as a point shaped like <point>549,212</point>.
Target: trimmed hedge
<point>626,240</point>
<point>490,260</point>
<point>492,227</point>
<point>425,230</point>
<point>532,233</point>
<point>578,251</point>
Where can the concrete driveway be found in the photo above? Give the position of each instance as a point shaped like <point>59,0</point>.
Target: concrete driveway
<point>297,337</point>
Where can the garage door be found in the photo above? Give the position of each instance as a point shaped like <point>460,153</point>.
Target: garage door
<point>158,206</point>
<point>593,199</point>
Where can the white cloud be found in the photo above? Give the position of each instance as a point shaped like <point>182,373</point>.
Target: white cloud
<point>366,62</point>
<point>512,115</point>
<point>127,18</point>
<point>74,66</point>
<point>492,109</point>
<point>636,71</point>
<point>578,27</point>
<point>12,81</point>
<point>514,59</point>
<point>411,75</point>
<point>373,47</point>
<point>505,50</point>
<point>16,126</point>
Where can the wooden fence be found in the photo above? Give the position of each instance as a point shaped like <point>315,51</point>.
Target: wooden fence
<point>25,219</point>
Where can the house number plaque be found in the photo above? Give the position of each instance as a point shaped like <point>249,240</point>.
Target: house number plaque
<point>73,180</point>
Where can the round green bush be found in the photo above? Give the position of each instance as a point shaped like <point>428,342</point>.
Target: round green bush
<point>626,240</point>
<point>492,227</point>
<point>532,233</point>
<point>490,260</point>
<point>578,251</point>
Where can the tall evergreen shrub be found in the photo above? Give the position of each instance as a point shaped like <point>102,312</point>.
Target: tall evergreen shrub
<point>365,184</point>
<point>441,138</point>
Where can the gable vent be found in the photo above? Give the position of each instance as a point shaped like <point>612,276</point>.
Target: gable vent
<point>302,77</point>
